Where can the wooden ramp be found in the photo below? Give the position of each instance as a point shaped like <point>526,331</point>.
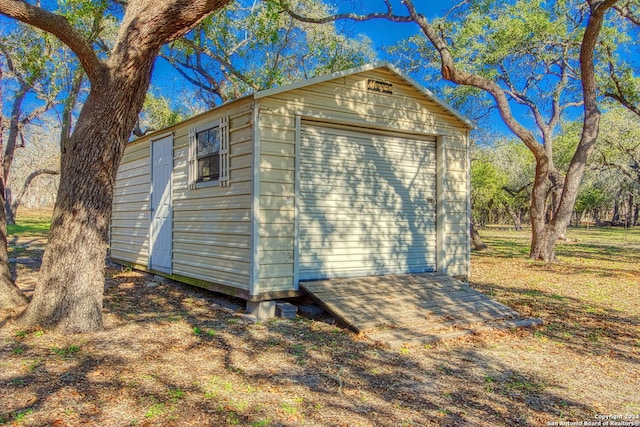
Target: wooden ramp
<point>412,309</point>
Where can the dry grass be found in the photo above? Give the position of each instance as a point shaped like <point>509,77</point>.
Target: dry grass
<point>176,355</point>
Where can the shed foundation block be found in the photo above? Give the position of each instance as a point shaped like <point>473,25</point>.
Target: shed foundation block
<point>262,310</point>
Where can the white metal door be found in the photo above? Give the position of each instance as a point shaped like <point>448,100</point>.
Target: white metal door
<point>161,229</point>
<point>367,203</point>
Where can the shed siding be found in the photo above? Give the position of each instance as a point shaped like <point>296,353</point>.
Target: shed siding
<point>347,99</point>
<point>212,225</point>
<point>130,215</point>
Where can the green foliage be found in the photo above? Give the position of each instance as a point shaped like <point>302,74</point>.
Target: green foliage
<point>501,177</point>
<point>158,113</point>
<point>66,352</point>
<point>486,183</point>
<point>251,46</point>
<point>155,410</point>
<point>520,45</point>
<point>590,199</point>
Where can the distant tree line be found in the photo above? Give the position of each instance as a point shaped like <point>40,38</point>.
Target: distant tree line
<point>501,176</point>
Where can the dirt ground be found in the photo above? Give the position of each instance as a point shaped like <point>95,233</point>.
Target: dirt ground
<point>174,355</point>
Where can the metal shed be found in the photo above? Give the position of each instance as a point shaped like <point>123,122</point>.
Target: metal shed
<point>357,173</point>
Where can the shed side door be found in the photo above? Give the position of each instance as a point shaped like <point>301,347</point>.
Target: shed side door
<point>367,203</point>
<point>161,227</point>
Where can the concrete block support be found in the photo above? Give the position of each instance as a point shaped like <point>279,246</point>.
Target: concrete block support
<point>286,310</point>
<point>262,310</point>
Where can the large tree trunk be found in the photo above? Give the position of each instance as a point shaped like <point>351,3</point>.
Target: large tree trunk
<point>545,236</point>
<point>541,247</point>
<point>70,291</point>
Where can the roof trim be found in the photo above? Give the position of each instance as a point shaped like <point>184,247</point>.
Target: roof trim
<point>368,67</point>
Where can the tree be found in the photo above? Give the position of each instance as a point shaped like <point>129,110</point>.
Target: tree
<point>36,167</point>
<point>70,291</point>
<point>10,295</point>
<point>521,35</point>
<point>616,163</point>
<point>42,76</point>
<point>25,56</point>
<point>219,57</point>
<point>28,57</point>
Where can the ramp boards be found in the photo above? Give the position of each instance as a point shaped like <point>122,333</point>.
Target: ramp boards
<point>412,309</point>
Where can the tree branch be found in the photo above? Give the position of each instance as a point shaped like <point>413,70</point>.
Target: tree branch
<point>389,15</point>
<point>448,68</point>
<point>59,27</point>
<point>619,95</point>
<point>147,19</point>
<point>223,61</point>
<point>626,12</point>
<point>451,73</point>
<point>623,100</point>
<point>27,183</point>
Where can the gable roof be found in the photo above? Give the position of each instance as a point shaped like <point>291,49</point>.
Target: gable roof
<point>368,67</point>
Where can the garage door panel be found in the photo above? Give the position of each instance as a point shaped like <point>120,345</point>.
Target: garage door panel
<point>366,203</point>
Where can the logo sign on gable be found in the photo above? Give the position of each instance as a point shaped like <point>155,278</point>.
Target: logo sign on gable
<point>378,86</point>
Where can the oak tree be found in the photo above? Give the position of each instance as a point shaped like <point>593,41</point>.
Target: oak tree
<point>70,291</point>
<point>591,18</point>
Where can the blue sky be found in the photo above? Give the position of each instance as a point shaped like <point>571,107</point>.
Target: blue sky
<point>383,34</point>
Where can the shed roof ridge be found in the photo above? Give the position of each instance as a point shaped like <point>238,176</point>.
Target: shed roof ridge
<point>355,70</point>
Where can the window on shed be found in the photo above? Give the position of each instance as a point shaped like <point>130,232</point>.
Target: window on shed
<point>209,154</point>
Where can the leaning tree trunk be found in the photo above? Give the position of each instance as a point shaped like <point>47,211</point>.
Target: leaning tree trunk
<point>70,291</point>
<point>545,237</point>
<point>476,240</point>
<point>10,296</point>
<point>69,294</point>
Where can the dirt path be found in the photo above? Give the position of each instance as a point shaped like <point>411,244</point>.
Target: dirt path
<point>173,355</point>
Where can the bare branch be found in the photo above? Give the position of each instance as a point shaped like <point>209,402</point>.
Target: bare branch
<point>389,15</point>
<point>626,12</point>
<point>618,95</point>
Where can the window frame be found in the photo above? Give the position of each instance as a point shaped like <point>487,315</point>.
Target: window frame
<point>222,126</point>
<point>216,154</point>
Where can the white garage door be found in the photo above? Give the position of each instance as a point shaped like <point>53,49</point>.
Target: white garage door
<point>367,203</point>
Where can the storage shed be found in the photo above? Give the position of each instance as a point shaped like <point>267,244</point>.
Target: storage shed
<point>357,173</point>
